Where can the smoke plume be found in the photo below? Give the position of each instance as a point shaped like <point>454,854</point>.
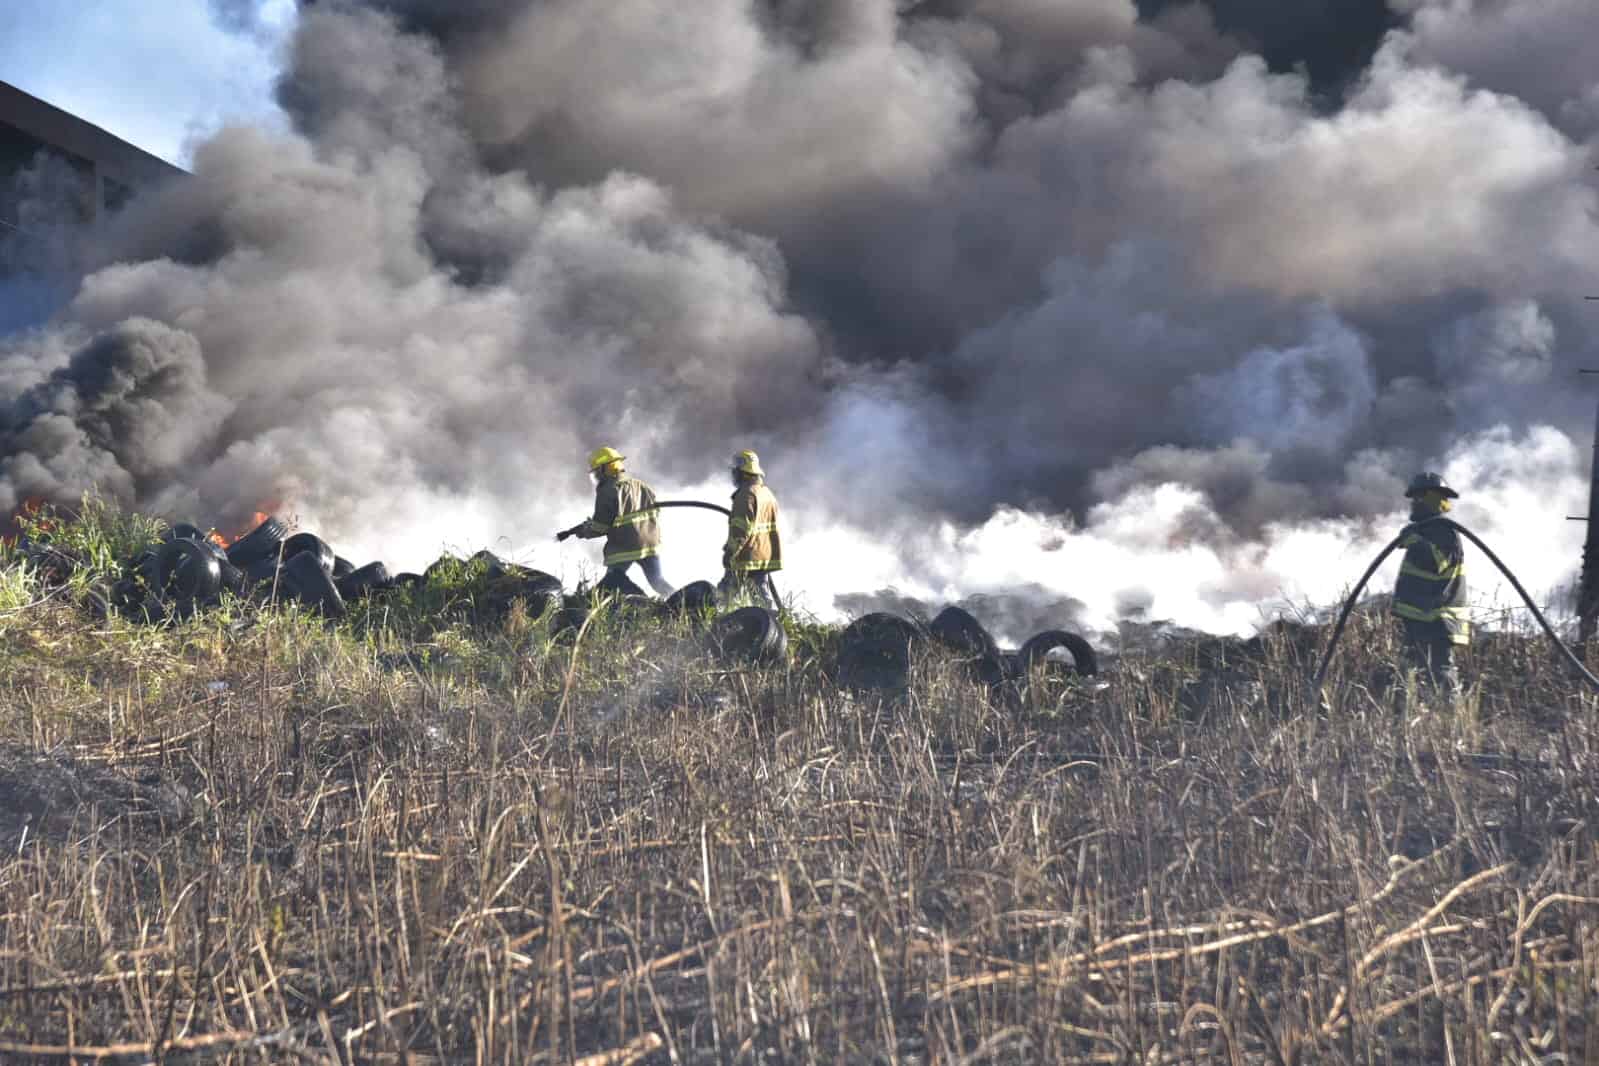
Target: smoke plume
<point>1145,310</point>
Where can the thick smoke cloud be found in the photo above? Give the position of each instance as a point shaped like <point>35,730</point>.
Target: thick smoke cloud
<point>1541,51</point>
<point>1104,301</point>
<point>127,411</point>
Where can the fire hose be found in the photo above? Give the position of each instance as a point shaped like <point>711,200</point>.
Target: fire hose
<point>718,508</point>
<point>1349,604</point>
<point>685,503</point>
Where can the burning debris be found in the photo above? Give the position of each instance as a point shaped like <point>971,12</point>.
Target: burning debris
<point>187,570</point>
<point>1047,272</point>
<point>193,569</point>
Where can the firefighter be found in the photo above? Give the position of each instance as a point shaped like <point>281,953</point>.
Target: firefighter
<point>1430,596</point>
<point>626,516</point>
<point>754,549</point>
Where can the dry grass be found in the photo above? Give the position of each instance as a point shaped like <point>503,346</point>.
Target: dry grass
<point>258,839</point>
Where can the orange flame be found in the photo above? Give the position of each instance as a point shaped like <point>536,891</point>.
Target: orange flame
<point>12,527</point>
<point>224,540</point>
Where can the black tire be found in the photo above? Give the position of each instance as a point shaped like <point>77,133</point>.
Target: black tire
<point>126,594</point>
<point>312,545</point>
<point>990,670</point>
<point>304,579</point>
<point>186,570</point>
<point>53,566</point>
<point>150,611</point>
<point>875,651</point>
<point>342,567</point>
<point>438,564</point>
<point>750,634</point>
<point>639,607</point>
<point>233,579</point>
<point>407,580</point>
<point>216,550</point>
<point>1033,652</point>
<point>957,630</point>
<point>538,581</point>
<point>694,598</point>
<point>133,601</point>
<point>536,590</point>
<point>260,543</point>
<point>538,603</point>
<point>492,564</point>
<point>185,531</point>
<point>570,616</point>
<point>97,601</point>
<point>359,583</point>
<point>262,571</point>
<point>619,583</point>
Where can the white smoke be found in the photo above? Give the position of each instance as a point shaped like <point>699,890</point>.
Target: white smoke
<point>1050,300</point>
<point>1540,51</point>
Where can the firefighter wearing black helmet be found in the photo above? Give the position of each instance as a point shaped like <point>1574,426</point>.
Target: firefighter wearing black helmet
<point>1430,596</point>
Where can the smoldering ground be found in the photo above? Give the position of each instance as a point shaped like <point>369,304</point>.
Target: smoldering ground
<point>1103,298</point>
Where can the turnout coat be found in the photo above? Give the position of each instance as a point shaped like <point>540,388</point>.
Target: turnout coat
<point>626,516</point>
<point>1432,580</point>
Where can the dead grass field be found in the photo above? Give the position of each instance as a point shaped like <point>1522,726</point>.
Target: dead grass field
<point>254,837</point>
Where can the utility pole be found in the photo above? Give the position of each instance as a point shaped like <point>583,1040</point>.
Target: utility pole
<point>1588,587</point>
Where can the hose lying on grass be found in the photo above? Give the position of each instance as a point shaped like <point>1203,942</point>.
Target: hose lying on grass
<point>1349,604</point>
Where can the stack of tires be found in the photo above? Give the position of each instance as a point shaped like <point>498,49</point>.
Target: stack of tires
<point>301,568</point>
<point>176,578</point>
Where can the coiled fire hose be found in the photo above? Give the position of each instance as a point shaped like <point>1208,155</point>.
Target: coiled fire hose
<point>1349,604</point>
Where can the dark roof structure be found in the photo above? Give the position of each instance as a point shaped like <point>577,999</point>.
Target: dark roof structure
<point>113,168</point>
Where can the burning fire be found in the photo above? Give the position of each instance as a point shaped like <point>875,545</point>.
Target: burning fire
<point>12,529</point>
<point>30,508</point>
<point>223,540</point>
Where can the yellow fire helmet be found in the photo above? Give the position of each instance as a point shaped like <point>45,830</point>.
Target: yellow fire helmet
<point>603,457</point>
<point>747,462</point>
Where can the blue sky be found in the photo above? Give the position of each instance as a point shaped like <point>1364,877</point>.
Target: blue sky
<point>158,73</point>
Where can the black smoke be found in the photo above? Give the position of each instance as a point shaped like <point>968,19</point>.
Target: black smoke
<point>1332,41</point>
<point>940,262</point>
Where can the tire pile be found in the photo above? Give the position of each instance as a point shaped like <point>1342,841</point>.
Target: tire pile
<point>879,651</point>
<point>188,572</point>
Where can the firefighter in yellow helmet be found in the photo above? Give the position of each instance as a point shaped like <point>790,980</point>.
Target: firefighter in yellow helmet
<point>1430,596</point>
<point>626,516</point>
<point>754,548</point>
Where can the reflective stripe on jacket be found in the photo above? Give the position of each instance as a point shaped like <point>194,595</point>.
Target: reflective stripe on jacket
<point>1432,580</point>
<point>626,516</point>
<point>753,542</point>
